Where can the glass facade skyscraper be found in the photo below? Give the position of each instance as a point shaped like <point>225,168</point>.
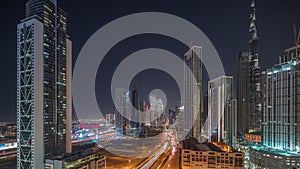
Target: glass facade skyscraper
<point>255,87</point>
<point>193,88</point>
<point>44,59</point>
<point>249,82</point>
<point>219,110</point>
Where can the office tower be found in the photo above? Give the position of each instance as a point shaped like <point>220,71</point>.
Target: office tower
<point>171,116</point>
<point>232,125</point>
<point>193,89</point>
<point>142,109</point>
<point>180,123</point>
<point>156,109</point>
<point>120,99</point>
<point>135,103</point>
<point>205,109</point>
<point>243,91</point>
<point>255,88</point>
<point>219,96</point>
<point>43,84</point>
<point>142,118</point>
<point>281,111</point>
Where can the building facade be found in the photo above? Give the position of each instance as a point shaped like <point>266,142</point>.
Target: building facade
<point>120,99</point>
<point>255,87</point>
<point>281,117</point>
<point>243,92</point>
<point>261,157</point>
<point>249,82</point>
<point>44,71</point>
<point>219,110</point>
<point>193,88</point>
<point>232,134</point>
<point>210,155</point>
<point>81,160</point>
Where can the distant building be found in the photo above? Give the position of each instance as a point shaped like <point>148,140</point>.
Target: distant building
<point>81,160</point>
<point>210,155</point>
<point>254,75</point>
<point>156,110</point>
<point>134,124</point>
<point>243,92</point>
<point>180,123</point>
<point>193,88</point>
<point>120,99</point>
<point>205,109</point>
<point>232,134</point>
<point>248,82</point>
<point>219,110</point>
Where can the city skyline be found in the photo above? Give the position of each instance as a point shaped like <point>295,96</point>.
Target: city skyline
<point>237,14</point>
<point>151,85</point>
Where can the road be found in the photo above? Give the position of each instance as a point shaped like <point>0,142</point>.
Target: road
<point>173,160</point>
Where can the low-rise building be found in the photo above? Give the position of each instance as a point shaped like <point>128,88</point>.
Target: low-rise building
<point>210,155</point>
<point>77,160</point>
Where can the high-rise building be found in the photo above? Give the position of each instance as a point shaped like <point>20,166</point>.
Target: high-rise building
<point>156,110</point>
<point>219,98</point>
<point>193,89</point>
<point>142,118</point>
<point>205,109</point>
<point>232,125</point>
<point>281,111</point>
<point>44,70</point>
<point>243,92</point>
<point>255,115</point>
<point>135,103</point>
<point>249,82</point>
<point>120,99</point>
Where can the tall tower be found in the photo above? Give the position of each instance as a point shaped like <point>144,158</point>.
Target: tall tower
<point>193,88</point>
<point>135,103</point>
<point>44,73</point>
<point>281,112</point>
<point>219,115</point>
<point>243,92</point>
<point>120,98</point>
<point>255,86</point>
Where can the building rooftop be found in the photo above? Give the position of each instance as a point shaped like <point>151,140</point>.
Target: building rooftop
<point>70,157</point>
<point>275,151</point>
<point>193,144</point>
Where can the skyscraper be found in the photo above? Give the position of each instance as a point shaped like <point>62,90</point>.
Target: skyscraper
<point>120,98</point>
<point>281,113</point>
<point>135,103</point>
<point>243,92</point>
<point>44,73</point>
<point>193,88</point>
<point>232,125</point>
<point>249,82</point>
<point>255,88</point>
<point>219,99</point>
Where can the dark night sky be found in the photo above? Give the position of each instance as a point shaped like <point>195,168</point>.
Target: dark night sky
<point>224,22</point>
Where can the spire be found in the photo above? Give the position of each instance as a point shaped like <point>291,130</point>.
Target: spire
<point>252,26</point>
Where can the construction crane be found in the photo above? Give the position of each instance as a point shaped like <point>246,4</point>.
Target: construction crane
<point>296,38</point>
